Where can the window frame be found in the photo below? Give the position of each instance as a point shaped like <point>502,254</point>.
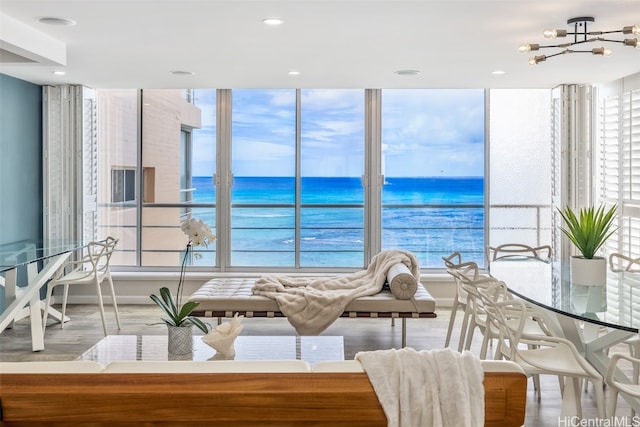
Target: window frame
<point>223,181</point>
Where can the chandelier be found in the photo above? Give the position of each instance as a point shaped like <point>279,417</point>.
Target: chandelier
<point>581,35</point>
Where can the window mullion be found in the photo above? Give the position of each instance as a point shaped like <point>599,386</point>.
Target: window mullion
<point>298,186</point>
<point>223,178</point>
<point>373,178</point>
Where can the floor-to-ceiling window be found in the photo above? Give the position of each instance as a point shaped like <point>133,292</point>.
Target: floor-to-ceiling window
<point>433,164</point>
<point>288,174</point>
<point>520,167</point>
<point>117,167</point>
<point>297,161</point>
<point>331,169</point>
<point>263,163</point>
<point>169,155</point>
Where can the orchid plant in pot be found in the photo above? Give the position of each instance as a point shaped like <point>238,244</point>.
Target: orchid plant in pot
<point>179,319</point>
<point>588,230</point>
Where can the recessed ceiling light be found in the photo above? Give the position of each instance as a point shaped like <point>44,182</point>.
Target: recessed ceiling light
<point>60,22</point>
<point>498,72</point>
<point>182,73</point>
<point>407,72</point>
<point>272,21</point>
<point>294,73</point>
<point>59,73</point>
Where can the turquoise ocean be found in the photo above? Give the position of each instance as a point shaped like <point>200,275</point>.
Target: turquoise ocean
<point>431,217</point>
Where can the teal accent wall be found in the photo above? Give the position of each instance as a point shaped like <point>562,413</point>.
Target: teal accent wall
<point>20,162</point>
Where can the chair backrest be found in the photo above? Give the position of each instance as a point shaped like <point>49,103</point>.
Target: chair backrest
<point>455,261</point>
<point>507,315</point>
<point>518,250</point>
<point>467,275</point>
<point>619,262</point>
<point>477,290</point>
<point>99,254</point>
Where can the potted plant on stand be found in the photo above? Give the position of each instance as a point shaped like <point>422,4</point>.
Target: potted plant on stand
<point>179,320</point>
<point>588,230</point>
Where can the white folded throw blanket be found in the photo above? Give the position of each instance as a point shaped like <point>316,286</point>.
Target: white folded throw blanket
<point>313,304</point>
<point>439,388</point>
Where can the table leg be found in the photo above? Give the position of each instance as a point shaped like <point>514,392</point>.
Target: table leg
<point>37,333</point>
<point>29,296</point>
<point>10,283</point>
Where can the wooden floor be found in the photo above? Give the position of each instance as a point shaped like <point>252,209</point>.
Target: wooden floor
<point>85,329</point>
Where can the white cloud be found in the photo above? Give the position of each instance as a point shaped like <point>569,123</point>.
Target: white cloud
<point>262,151</point>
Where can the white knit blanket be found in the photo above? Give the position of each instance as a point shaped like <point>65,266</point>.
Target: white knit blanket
<point>435,388</point>
<point>313,304</point>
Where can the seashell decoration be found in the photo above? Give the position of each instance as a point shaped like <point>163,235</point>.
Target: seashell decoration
<point>222,338</point>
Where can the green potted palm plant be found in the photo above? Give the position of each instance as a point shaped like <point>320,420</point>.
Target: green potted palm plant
<point>179,320</point>
<point>588,230</point>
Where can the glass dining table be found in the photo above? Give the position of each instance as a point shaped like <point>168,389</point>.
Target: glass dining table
<point>25,268</point>
<point>594,318</point>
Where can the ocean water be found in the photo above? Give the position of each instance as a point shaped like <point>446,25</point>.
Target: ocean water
<point>431,217</point>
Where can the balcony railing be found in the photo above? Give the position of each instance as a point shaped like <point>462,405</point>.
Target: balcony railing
<point>327,235</point>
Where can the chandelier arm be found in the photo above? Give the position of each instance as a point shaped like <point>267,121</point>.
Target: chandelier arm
<point>610,40</point>
<point>555,45</point>
<point>558,53</point>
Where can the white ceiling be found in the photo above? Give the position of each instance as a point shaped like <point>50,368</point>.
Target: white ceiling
<point>334,44</point>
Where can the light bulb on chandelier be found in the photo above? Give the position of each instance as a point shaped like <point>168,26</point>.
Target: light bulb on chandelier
<point>580,35</point>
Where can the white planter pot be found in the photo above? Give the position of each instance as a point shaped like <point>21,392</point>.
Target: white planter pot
<point>180,339</point>
<point>588,272</point>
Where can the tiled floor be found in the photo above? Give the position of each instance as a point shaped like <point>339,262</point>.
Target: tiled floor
<point>85,329</point>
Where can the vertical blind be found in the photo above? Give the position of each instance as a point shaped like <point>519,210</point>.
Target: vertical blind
<point>70,164</point>
<point>619,156</point>
<point>619,182</point>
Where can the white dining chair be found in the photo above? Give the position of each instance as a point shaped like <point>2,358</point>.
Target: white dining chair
<point>454,263</point>
<point>468,279</point>
<point>543,354</point>
<point>615,386</point>
<point>619,262</point>
<point>92,269</point>
<point>508,250</point>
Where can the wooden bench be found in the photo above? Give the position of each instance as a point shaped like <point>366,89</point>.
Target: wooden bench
<point>338,399</point>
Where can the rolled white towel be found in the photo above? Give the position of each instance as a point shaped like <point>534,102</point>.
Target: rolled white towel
<point>402,283</point>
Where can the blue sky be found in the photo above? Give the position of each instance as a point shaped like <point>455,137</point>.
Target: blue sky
<point>425,132</point>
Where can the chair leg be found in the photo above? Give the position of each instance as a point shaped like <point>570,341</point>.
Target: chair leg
<point>536,378</point>
<point>101,305</point>
<point>634,351</point>
<point>599,389</point>
<point>463,328</point>
<point>613,402</point>
<point>470,331</point>
<point>561,381</point>
<point>65,295</point>
<point>113,299</point>
<point>576,388</point>
<point>452,320</point>
<point>485,345</point>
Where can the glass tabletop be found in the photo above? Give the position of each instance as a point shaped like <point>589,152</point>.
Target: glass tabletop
<point>548,285</point>
<point>17,254</point>
<point>312,349</point>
